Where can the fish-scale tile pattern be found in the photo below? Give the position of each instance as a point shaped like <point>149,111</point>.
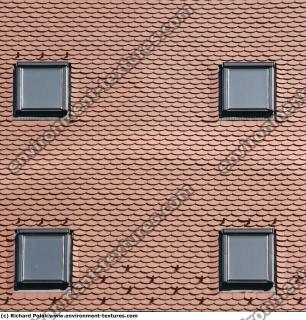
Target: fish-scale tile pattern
<point>153,131</point>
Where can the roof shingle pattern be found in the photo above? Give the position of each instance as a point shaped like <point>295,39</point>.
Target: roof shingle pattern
<point>153,131</point>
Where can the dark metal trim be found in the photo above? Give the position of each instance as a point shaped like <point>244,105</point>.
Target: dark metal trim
<point>44,230</point>
<point>42,64</point>
<point>247,230</point>
<point>248,64</point>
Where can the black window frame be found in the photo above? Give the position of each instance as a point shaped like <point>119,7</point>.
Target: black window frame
<point>227,284</point>
<point>231,113</point>
<point>20,283</point>
<point>21,113</point>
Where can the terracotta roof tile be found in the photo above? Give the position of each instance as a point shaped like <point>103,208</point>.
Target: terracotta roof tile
<point>154,130</point>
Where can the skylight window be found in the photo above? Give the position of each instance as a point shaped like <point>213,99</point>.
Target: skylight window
<point>43,259</point>
<point>247,259</point>
<point>247,90</point>
<point>41,89</point>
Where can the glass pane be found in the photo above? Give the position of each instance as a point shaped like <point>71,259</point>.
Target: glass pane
<point>248,257</point>
<point>248,88</point>
<point>43,257</point>
<point>42,87</point>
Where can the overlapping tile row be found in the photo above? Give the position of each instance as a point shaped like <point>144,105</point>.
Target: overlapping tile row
<point>153,131</point>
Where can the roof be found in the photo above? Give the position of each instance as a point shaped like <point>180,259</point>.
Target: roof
<point>154,130</point>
